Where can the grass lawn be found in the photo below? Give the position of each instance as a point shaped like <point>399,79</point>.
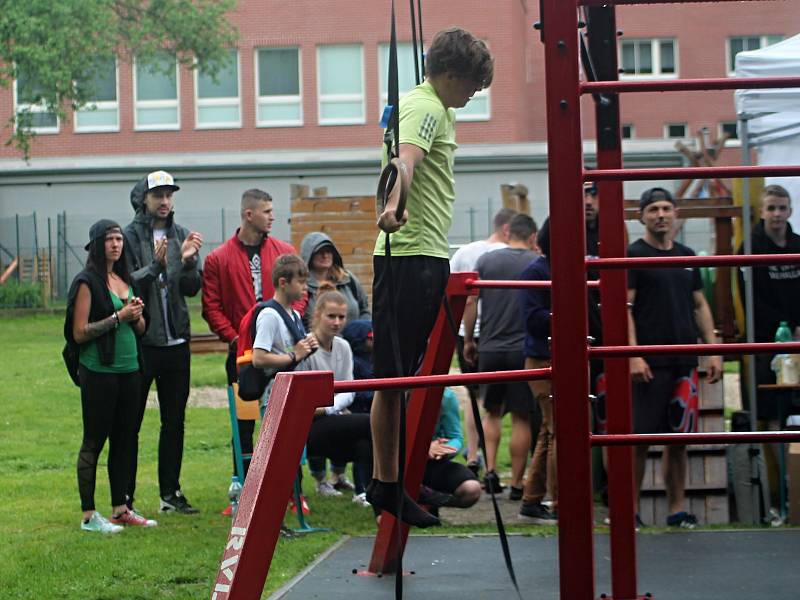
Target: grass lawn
<point>45,554</point>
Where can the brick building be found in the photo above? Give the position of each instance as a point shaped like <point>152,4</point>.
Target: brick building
<point>303,93</point>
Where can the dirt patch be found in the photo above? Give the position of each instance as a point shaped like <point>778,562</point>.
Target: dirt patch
<point>199,397</point>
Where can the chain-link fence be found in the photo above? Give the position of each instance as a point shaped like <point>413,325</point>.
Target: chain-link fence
<point>50,250</point>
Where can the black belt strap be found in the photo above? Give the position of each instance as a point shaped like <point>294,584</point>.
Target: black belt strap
<point>498,518</point>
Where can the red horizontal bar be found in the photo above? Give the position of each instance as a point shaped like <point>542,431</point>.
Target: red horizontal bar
<point>631,2</point>
<point>669,439</point>
<point>733,260</point>
<point>421,381</point>
<point>516,284</point>
<point>689,173</point>
<point>668,85</point>
<point>694,349</point>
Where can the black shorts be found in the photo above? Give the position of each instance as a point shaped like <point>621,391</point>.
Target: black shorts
<point>514,396</point>
<point>446,475</point>
<point>668,402</point>
<point>419,284</point>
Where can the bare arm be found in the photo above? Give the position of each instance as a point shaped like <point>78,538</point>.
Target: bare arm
<point>411,156</point>
<point>83,331</point>
<point>470,316</point>
<point>705,323</point>
<point>640,370</point>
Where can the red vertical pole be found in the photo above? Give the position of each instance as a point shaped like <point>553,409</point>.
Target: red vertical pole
<point>569,302</point>
<point>254,534</point>
<point>423,412</point>
<point>601,29</point>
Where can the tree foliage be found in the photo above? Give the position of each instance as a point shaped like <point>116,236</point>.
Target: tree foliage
<point>55,46</point>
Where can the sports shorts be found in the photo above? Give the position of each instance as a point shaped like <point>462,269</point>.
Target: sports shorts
<point>417,284</point>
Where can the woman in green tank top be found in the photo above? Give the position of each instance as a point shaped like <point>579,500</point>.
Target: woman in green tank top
<point>106,318</point>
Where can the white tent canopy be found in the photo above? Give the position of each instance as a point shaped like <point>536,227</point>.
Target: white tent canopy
<point>773,115</point>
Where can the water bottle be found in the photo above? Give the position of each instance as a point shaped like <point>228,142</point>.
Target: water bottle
<point>234,492</point>
<point>783,364</point>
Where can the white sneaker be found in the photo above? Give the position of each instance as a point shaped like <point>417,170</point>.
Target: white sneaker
<point>325,488</point>
<point>100,524</point>
<point>361,500</point>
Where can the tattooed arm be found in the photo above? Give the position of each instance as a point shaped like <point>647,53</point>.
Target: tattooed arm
<point>83,331</point>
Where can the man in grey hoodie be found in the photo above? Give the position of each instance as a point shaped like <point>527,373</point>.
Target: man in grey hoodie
<point>164,265</point>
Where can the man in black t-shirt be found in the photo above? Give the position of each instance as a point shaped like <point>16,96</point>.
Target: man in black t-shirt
<point>666,306</point>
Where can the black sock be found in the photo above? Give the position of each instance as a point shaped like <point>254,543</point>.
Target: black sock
<point>383,495</point>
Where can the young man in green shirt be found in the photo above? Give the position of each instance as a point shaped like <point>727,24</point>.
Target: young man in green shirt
<point>457,65</point>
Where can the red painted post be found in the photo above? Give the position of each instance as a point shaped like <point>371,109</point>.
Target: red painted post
<point>569,303</point>
<point>423,412</point>
<point>602,30</point>
<point>284,429</point>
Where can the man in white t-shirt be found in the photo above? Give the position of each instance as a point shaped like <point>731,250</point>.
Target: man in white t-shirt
<point>465,259</point>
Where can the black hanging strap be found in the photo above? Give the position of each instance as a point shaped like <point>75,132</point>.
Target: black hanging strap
<point>498,518</point>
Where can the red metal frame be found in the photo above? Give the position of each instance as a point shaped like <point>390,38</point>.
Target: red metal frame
<point>254,534</point>
<point>423,381</point>
<point>679,439</point>
<point>689,85</point>
<point>568,300</point>
<point>689,173</point>
<point>423,412</point>
<point>482,284</point>
<point>738,260</point>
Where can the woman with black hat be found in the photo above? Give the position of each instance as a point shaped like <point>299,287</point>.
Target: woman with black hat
<point>105,320</point>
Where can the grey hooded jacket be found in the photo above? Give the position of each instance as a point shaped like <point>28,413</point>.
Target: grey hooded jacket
<point>349,285</point>
<point>182,279</point>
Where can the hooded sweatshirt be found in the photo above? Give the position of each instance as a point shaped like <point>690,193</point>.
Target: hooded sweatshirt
<point>181,279</point>
<point>776,288</point>
<point>348,285</point>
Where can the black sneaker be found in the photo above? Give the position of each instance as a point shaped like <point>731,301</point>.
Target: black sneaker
<point>177,502</point>
<point>515,495</point>
<point>475,467</point>
<point>491,483</point>
<point>682,519</point>
<point>432,498</point>
<point>537,513</point>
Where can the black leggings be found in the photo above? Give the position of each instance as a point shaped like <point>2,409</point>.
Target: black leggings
<point>109,404</point>
<point>342,439</point>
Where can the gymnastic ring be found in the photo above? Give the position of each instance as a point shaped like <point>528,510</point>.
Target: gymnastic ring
<point>389,176</point>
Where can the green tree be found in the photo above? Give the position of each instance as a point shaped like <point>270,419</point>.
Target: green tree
<point>57,50</point>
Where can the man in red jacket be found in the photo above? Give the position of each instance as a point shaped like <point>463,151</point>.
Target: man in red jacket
<point>236,275</point>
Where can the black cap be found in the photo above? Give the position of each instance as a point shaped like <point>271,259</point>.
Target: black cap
<point>99,230</point>
<point>654,195</point>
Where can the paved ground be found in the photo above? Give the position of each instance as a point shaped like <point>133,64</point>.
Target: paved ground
<point>698,565</point>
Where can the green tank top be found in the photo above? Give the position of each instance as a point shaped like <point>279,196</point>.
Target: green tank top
<point>126,358</point>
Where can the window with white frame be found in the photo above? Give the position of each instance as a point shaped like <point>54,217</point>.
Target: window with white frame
<point>340,84</point>
<point>101,113</point>
<point>156,94</point>
<point>405,70</point>
<point>279,98</point>
<point>742,43</point>
<point>218,105</point>
<point>675,130</point>
<point>477,109</point>
<point>730,128</point>
<point>30,109</point>
<point>648,58</point>
<point>627,131</point>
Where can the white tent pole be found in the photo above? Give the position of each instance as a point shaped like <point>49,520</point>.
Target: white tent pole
<point>748,306</point>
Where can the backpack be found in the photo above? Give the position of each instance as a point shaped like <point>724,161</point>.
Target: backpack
<point>253,381</point>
